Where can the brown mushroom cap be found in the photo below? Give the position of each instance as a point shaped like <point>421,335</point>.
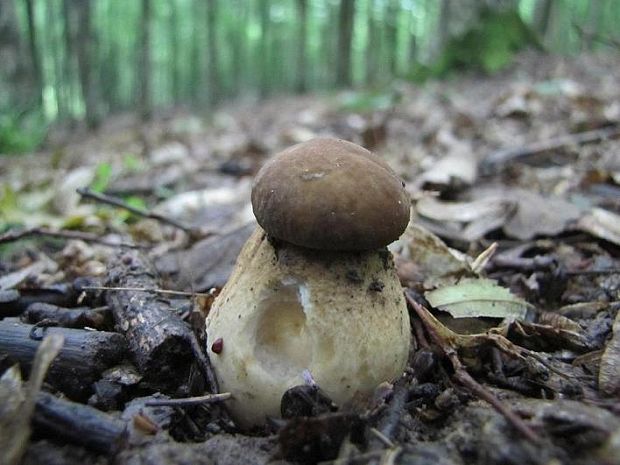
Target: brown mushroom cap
<point>330,194</point>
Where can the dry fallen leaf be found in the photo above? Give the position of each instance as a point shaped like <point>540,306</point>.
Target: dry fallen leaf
<point>602,224</point>
<point>539,215</point>
<point>18,401</point>
<point>609,373</point>
<point>477,298</point>
<point>471,220</point>
<point>421,253</point>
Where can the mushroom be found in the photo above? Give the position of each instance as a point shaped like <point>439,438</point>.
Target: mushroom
<point>314,288</point>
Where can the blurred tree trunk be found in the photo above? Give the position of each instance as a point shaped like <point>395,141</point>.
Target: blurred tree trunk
<point>412,51</point>
<point>144,64</point>
<point>175,68</point>
<point>443,29</point>
<point>302,82</point>
<point>213,78</point>
<point>391,34</point>
<point>85,49</point>
<point>345,38</point>
<point>109,78</point>
<point>35,57</point>
<point>52,47</point>
<point>195,87</point>
<point>17,89</point>
<point>372,45</point>
<point>593,23</point>
<point>263,11</point>
<point>68,71</point>
<point>542,16</point>
<point>236,37</point>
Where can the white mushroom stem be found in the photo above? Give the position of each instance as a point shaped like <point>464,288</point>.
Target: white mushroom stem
<point>286,309</point>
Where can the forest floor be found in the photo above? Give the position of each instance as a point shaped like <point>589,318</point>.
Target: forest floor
<point>518,174</point>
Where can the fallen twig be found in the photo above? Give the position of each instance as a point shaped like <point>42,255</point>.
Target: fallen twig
<point>15,235</point>
<point>502,156</point>
<point>141,289</point>
<point>116,202</point>
<point>206,399</point>
<point>463,377</point>
<point>387,429</point>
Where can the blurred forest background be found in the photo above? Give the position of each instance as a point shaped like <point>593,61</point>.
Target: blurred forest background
<point>78,61</point>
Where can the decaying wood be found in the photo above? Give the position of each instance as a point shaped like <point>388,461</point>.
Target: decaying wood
<point>161,345</point>
<point>14,302</point>
<point>81,317</point>
<point>84,356</point>
<point>389,422</point>
<point>77,423</point>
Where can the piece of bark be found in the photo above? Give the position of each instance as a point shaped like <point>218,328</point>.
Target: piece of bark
<point>79,317</point>
<point>159,341</point>
<point>75,423</point>
<point>84,356</point>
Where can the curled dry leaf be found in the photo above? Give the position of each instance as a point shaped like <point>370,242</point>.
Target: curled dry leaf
<point>459,168</point>
<point>602,224</point>
<point>422,257</point>
<point>470,220</point>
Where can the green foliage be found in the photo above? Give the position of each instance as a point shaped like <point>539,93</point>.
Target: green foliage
<point>21,132</point>
<point>253,48</point>
<point>488,46</point>
<point>368,101</point>
<point>132,163</point>
<point>8,204</point>
<point>103,174</point>
<point>121,216</point>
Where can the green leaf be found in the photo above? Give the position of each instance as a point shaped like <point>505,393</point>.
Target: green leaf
<point>132,163</point>
<point>103,174</point>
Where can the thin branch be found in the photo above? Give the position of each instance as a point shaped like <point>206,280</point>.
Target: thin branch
<point>387,442</point>
<point>141,289</point>
<point>15,235</point>
<point>188,401</point>
<point>463,377</point>
<point>502,156</point>
<point>116,202</point>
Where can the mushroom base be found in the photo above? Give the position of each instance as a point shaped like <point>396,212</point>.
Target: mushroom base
<point>286,309</point>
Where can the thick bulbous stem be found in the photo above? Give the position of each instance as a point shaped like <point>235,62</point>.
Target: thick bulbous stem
<point>286,309</point>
